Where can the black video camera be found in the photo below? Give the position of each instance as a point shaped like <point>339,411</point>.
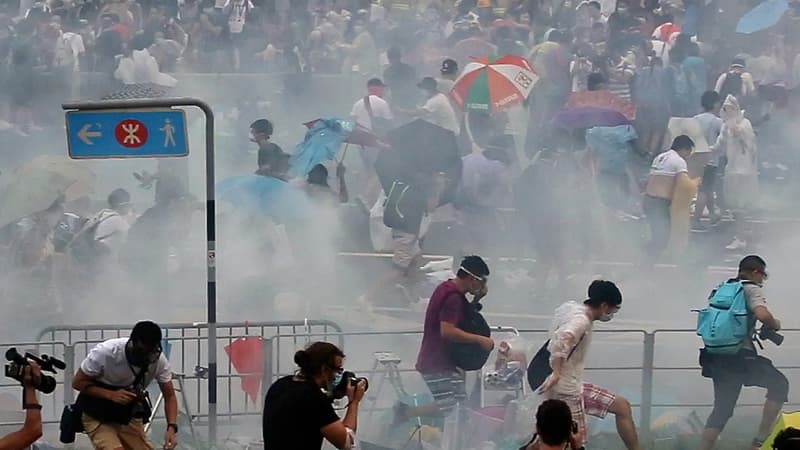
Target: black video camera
<point>16,368</point>
<point>768,334</point>
<point>348,379</point>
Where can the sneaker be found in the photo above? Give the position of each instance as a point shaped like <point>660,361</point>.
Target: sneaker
<point>737,244</point>
<point>715,219</point>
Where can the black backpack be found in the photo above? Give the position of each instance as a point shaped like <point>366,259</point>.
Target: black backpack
<point>731,86</point>
<point>404,207</point>
<point>86,248</point>
<point>471,356</point>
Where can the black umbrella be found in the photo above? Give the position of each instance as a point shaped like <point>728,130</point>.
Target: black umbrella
<point>419,150</point>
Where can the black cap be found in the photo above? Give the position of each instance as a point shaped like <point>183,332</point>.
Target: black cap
<point>375,82</point>
<point>428,83</point>
<point>449,67</point>
<point>682,142</point>
<point>738,62</point>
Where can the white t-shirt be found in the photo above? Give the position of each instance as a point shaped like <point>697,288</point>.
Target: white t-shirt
<point>439,112</point>
<point>107,363</point>
<point>669,164</point>
<point>380,109</point>
<point>237,14</point>
<point>112,229</point>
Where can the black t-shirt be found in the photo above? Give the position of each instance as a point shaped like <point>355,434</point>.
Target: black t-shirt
<point>294,413</point>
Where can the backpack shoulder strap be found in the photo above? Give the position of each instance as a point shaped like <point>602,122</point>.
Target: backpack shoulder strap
<point>368,107</point>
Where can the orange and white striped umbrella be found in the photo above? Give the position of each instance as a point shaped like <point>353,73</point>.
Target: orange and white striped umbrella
<point>494,84</point>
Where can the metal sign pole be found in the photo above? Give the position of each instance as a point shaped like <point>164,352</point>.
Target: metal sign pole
<point>210,225</point>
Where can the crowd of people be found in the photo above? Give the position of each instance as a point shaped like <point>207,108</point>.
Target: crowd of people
<point>295,407</point>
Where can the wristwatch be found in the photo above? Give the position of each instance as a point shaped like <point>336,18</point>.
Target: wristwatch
<point>174,427</point>
<point>32,406</point>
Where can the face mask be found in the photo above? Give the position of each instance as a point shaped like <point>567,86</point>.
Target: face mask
<point>336,380</point>
<point>606,317</point>
<point>141,358</point>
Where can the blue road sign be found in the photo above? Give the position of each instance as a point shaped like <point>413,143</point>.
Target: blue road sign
<point>137,133</point>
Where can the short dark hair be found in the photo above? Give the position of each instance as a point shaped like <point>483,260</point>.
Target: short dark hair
<point>262,126</point>
<point>375,82</point>
<point>603,291</point>
<point>147,333</point>
<point>682,142</point>
<point>315,357</point>
<point>473,265</point>
<point>554,422</point>
<point>752,262</point>
<point>709,100</point>
<point>787,439</point>
<point>118,197</point>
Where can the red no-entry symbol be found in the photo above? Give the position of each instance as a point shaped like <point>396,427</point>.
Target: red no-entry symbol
<point>131,133</point>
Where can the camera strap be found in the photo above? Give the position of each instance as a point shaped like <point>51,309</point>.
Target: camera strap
<point>139,379</point>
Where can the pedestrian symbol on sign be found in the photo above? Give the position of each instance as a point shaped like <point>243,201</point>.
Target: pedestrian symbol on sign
<point>168,129</point>
<point>131,133</point>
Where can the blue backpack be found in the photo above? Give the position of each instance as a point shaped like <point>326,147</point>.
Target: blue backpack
<point>723,324</point>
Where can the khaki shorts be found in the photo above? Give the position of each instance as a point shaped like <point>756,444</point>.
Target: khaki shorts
<point>406,248</point>
<point>105,436</point>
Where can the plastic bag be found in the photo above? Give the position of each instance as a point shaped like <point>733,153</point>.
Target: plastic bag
<point>379,234</point>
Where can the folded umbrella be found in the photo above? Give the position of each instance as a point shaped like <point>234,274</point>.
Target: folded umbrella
<point>263,195</point>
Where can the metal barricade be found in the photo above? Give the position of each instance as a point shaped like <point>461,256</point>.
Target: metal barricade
<point>187,346</point>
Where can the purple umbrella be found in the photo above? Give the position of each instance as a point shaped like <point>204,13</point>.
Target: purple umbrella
<point>588,117</point>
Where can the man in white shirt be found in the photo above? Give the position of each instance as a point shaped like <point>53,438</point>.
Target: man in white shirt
<point>667,171</point>
<point>437,108</point>
<point>711,125</point>
<point>112,224</point>
<point>372,111</point>
<point>237,11</point>
<point>570,338</point>
<point>113,381</point>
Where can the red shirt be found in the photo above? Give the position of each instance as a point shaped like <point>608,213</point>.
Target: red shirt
<point>446,305</point>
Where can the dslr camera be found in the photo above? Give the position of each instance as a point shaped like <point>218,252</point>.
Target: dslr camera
<point>348,379</point>
<point>768,334</point>
<point>17,364</point>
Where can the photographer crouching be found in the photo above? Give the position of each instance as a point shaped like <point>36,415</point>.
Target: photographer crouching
<point>32,428</point>
<point>298,410</point>
<point>113,404</point>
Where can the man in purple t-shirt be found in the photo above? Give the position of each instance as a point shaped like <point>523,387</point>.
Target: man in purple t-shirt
<point>445,310</point>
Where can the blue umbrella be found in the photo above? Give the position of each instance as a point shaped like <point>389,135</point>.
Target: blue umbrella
<point>320,144</point>
<point>762,16</point>
<point>264,195</point>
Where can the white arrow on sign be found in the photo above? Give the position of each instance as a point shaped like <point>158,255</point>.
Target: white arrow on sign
<point>85,135</point>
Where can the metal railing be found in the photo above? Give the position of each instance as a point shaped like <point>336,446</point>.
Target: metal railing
<point>277,363</point>
<point>281,339</point>
<point>186,344</point>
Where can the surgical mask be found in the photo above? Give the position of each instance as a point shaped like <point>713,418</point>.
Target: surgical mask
<point>607,317</point>
<point>336,380</point>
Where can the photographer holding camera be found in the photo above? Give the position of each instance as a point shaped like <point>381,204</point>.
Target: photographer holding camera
<point>729,357</point>
<point>32,428</point>
<point>113,401</point>
<point>298,410</point>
